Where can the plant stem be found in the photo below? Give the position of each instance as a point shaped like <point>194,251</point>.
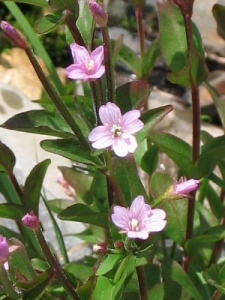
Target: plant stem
<point>57,100</point>
<point>217,295</point>
<point>142,283</point>
<point>109,71</point>
<point>195,136</point>
<point>139,18</point>
<point>52,261</point>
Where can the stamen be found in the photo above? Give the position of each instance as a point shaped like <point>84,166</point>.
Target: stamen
<point>116,130</point>
<point>89,64</point>
<point>134,224</point>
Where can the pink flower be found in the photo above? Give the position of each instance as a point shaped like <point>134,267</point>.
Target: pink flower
<point>117,130</point>
<point>30,221</point>
<point>4,250</point>
<point>86,66</point>
<point>183,188</point>
<point>140,220</point>
<point>14,35</point>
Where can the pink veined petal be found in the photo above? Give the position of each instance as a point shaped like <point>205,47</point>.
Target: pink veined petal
<point>79,53</point>
<point>76,72</point>
<point>120,147</point>
<point>100,137</point>
<point>110,114</point>
<point>131,116</point>
<point>139,210</point>
<point>97,55</point>
<point>155,226</point>
<point>98,73</point>
<point>130,141</point>
<point>120,217</point>
<point>157,214</point>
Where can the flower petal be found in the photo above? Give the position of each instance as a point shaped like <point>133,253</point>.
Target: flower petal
<point>131,122</point>
<point>110,114</point>
<point>98,73</point>
<point>120,217</point>
<point>76,72</point>
<point>120,147</point>
<point>155,226</point>
<point>97,55</point>
<point>80,54</point>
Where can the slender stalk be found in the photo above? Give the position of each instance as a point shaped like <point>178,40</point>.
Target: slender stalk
<point>142,283</point>
<point>109,71</point>
<point>217,295</point>
<point>141,35</point>
<point>57,100</point>
<point>52,261</point>
<point>195,137</point>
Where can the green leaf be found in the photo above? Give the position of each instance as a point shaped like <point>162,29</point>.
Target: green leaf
<point>82,213</point>
<point>8,190</point>
<point>7,158</point>
<point>130,59</point>
<point>66,5</point>
<point>111,261</point>
<point>212,153</point>
<point>207,240</point>
<point>12,211</point>
<point>151,118</point>
<point>171,24</point>
<point>39,122</point>
<point>19,260</point>
<point>151,56</point>
<point>71,149</point>
<point>49,23</point>
<point>215,203</point>
<point>127,179</point>
<point>135,93</point>
<point>172,271</point>
<point>215,276</point>
<point>79,270</point>
<point>218,101</point>
<point>41,3</point>
<point>33,186</point>
<point>37,287</point>
<point>176,211</point>
<point>219,15</point>
<point>85,23</point>
<point>103,289</point>
<point>178,150</point>
<point>57,205</point>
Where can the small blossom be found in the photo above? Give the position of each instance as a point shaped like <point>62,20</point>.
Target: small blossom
<point>4,250</point>
<point>98,13</point>
<point>30,221</point>
<point>183,188</point>
<point>86,66</point>
<point>64,183</point>
<point>139,220</point>
<point>117,130</point>
<point>14,35</point>
<point>100,248</point>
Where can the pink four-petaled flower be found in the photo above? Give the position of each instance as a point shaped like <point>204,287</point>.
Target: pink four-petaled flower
<point>86,66</point>
<point>117,130</point>
<point>139,220</point>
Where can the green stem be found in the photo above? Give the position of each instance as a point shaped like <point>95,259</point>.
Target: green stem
<point>141,34</point>
<point>142,282</point>
<point>52,261</point>
<point>57,100</point>
<point>8,286</point>
<point>109,71</point>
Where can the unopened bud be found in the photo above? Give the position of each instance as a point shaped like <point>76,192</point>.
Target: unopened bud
<point>14,35</point>
<point>98,12</point>
<point>4,250</point>
<point>30,221</point>
<point>100,248</point>
<point>119,245</point>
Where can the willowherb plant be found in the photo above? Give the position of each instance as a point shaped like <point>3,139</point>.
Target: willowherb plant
<point>151,238</point>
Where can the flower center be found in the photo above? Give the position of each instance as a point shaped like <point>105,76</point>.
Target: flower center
<point>89,64</point>
<point>134,225</point>
<point>116,130</point>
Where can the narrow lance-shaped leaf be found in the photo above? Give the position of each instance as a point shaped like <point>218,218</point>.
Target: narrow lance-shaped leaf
<point>7,158</point>
<point>33,186</point>
<point>219,15</point>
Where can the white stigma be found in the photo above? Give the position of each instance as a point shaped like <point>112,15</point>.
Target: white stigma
<point>116,130</point>
<point>134,224</point>
<point>89,64</point>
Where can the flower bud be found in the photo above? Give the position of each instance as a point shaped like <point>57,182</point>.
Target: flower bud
<point>14,35</point>
<point>119,245</point>
<point>4,250</point>
<point>98,12</point>
<point>100,248</point>
<point>30,221</point>
<point>182,188</point>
